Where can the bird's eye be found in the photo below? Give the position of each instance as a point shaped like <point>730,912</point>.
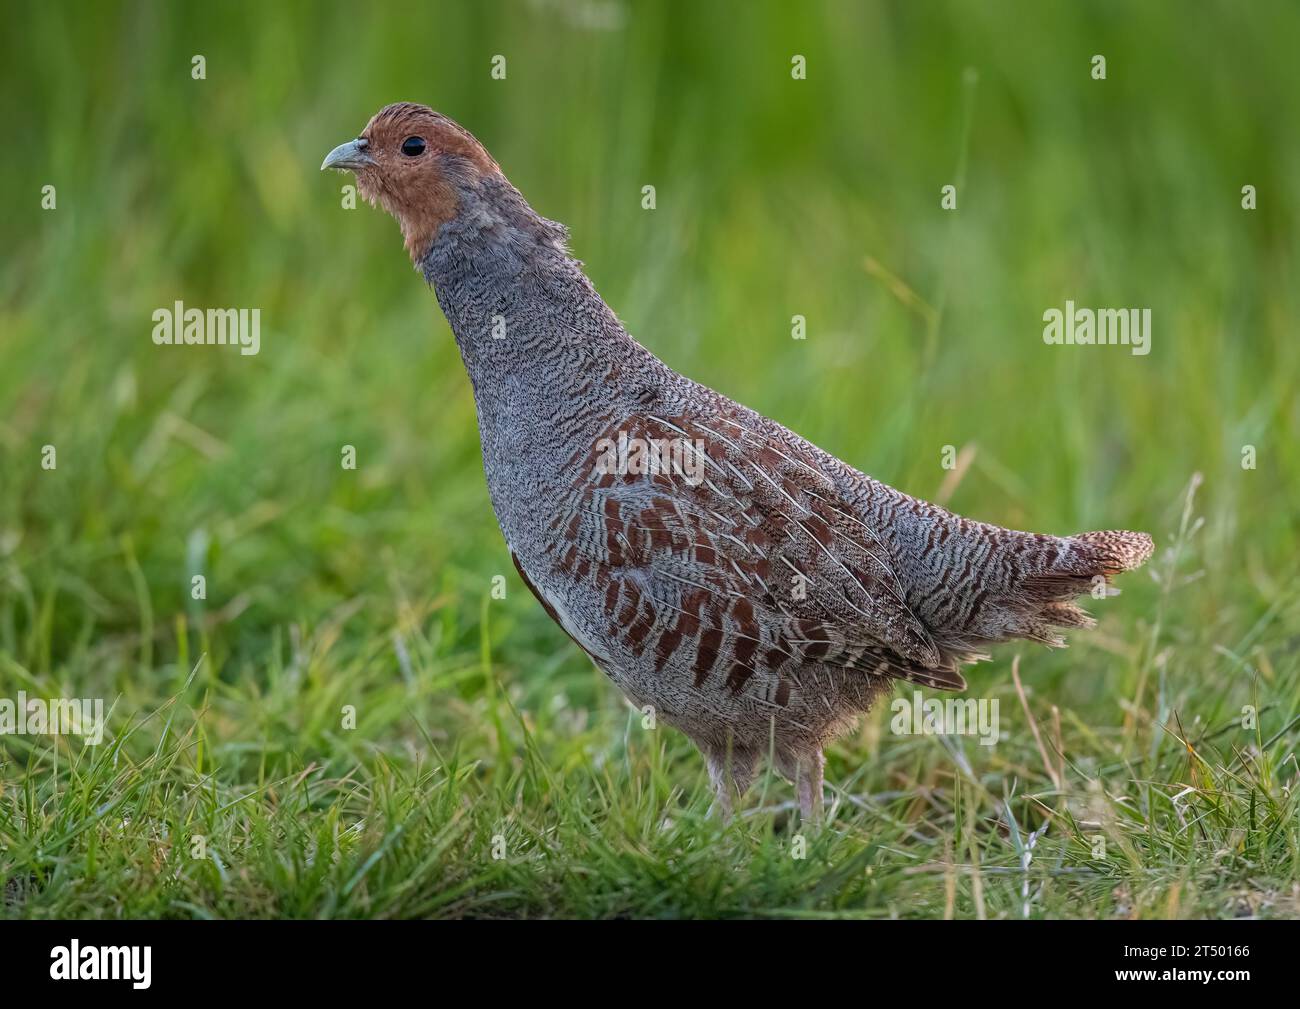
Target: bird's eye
<point>413,147</point>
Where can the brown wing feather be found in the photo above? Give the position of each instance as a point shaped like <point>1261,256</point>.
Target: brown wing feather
<point>748,558</point>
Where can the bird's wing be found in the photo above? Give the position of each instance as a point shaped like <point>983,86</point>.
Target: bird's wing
<point>717,545</point>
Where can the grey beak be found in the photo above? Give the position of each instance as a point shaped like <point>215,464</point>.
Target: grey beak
<point>349,156</point>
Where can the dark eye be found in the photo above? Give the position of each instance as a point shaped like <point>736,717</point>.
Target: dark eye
<point>413,147</point>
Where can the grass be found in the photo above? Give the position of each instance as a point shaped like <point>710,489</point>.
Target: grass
<point>491,771</point>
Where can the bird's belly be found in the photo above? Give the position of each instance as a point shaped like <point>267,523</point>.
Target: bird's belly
<point>814,704</point>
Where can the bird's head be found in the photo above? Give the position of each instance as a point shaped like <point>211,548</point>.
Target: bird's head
<point>417,164</point>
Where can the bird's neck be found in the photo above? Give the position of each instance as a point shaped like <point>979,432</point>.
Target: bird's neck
<point>530,326</point>
<point>507,284</point>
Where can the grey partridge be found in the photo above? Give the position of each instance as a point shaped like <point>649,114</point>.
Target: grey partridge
<point>752,589</point>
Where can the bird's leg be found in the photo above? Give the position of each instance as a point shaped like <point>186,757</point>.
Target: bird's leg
<point>805,770</point>
<point>730,772</point>
<point>810,786</point>
<point>721,782</point>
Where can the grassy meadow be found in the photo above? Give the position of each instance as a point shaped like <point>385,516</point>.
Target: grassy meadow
<point>350,724</point>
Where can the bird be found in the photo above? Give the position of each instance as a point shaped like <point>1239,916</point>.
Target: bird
<point>747,587</point>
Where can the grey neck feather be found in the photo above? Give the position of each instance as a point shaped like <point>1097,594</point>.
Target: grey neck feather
<point>507,284</point>
<point>531,329</point>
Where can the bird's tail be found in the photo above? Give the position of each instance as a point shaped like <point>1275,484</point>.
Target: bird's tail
<point>1084,565</point>
<point>1032,594</point>
<point>1114,550</point>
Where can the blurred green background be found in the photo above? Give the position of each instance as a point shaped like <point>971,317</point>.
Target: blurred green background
<point>775,197</point>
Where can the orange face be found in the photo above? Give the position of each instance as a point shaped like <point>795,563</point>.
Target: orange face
<point>414,163</point>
